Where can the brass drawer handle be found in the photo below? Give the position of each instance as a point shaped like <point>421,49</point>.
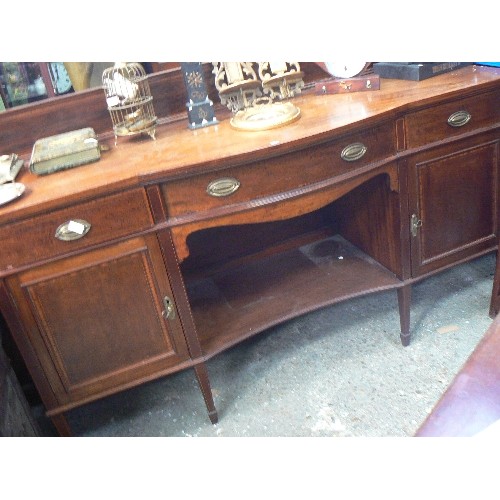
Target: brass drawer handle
<point>353,152</point>
<point>459,118</point>
<point>223,187</point>
<point>72,230</point>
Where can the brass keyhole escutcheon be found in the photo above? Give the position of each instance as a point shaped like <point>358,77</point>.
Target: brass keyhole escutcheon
<point>415,224</point>
<point>169,311</point>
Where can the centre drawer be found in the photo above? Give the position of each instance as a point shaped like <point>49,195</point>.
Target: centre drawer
<point>452,119</point>
<point>279,174</point>
<point>79,226</point>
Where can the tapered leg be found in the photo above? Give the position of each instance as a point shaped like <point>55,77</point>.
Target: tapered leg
<point>204,383</point>
<point>495,293</point>
<point>61,425</point>
<point>404,300</point>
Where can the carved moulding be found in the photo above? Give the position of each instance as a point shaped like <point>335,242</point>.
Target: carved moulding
<point>281,80</point>
<point>237,84</point>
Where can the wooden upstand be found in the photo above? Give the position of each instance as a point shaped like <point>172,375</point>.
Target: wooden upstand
<point>201,239</point>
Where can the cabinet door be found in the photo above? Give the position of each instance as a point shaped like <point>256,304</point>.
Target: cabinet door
<point>97,321</point>
<point>453,208</point>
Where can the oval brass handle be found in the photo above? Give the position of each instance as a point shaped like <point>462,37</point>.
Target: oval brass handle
<point>459,118</point>
<point>353,152</point>
<point>72,230</point>
<point>223,187</point>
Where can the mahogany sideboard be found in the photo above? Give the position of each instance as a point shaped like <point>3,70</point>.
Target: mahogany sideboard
<point>202,238</point>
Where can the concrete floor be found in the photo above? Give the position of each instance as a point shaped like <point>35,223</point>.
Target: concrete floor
<point>340,371</point>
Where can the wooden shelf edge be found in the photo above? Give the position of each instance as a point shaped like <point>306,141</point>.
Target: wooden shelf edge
<point>231,306</point>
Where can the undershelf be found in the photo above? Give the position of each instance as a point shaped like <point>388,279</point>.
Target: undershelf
<point>232,305</point>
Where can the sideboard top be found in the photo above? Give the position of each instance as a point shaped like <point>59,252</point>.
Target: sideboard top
<point>180,151</point>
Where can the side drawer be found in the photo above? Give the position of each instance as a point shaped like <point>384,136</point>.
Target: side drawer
<point>110,217</point>
<point>276,175</point>
<point>452,119</point>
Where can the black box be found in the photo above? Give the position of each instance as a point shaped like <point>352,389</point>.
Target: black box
<point>414,70</point>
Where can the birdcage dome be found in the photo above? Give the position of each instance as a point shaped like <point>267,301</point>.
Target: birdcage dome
<point>129,100</point>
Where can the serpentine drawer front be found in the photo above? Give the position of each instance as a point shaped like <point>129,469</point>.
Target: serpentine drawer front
<point>276,175</point>
<point>451,119</point>
<point>79,226</point>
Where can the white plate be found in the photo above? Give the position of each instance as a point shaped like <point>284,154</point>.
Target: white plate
<point>10,191</point>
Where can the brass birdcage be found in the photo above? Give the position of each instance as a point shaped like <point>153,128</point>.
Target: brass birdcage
<point>129,100</point>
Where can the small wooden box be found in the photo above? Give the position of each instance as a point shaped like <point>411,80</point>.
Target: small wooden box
<point>347,85</point>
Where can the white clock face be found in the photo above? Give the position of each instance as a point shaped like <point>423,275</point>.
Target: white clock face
<point>60,78</point>
<point>345,69</point>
